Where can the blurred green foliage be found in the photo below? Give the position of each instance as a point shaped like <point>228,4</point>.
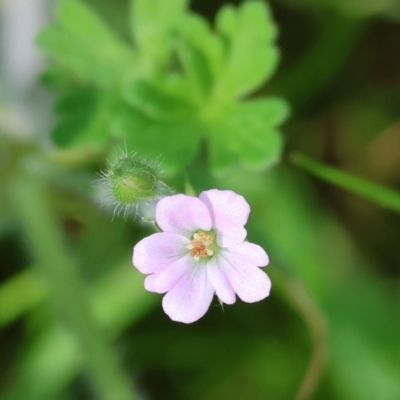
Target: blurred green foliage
<point>174,83</point>
<point>192,85</point>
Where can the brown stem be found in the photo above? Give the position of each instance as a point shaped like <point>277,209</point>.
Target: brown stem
<point>316,324</point>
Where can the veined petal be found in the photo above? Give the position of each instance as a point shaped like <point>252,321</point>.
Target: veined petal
<point>230,237</point>
<point>164,280</point>
<point>221,284</point>
<point>190,297</point>
<point>249,282</point>
<point>159,250</point>
<point>229,213</point>
<point>182,214</point>
<point>254,253</point>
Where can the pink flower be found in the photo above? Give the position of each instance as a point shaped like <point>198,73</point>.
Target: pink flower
<point>202,251</point>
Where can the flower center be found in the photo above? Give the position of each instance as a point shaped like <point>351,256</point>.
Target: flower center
<point>199,246</point>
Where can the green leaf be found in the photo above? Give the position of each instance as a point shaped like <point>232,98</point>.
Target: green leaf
<point>197,72</point>
<point>380,377</point>
<point>222,155</point>
<point>270,111</point>
<point>251,56</point>
<point>54,359</point>
<point>201,51</point>
<point>227,21</point>
<point>247,133</point>
<point>67,51</point>
<point>87,46</point>
<point>181,72</point>
<point>56,78</point>
<point>77,100</point>
<point>153,24</point>
<point>79,20</point>
<point>381,195</point>
<point>174,143</point>
<point>259,148</point>
<point>255,17</point>
<point>18,295</point>
<point>364,324</point>
<point>154,103</point>
<point>76,110</point>
<point>86,115</point>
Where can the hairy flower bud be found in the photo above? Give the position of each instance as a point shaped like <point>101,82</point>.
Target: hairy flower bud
<point>132,181</point>
<point>133,185</point>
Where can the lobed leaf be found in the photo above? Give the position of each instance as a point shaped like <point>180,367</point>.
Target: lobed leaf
<point>153,24</point>
<point>201,52</point>
<point>168,95</point>
<point>67,51</point>
<point>57,78</point>
<point>155,103</point>
<point>85,44</point>
<point>176,142</point>
<point>86,115</point>
<point>251,57</point>
<point>222,155</point>
<point>270,111</point>
<point>227,22</point>
<point>247,134</point>
<point>198,76</point>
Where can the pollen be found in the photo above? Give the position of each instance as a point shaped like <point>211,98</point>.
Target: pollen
<point>199,245</point>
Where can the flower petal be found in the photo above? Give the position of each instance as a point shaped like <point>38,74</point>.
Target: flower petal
<point>249,282</point>
<point>189,299</point>
<point>254,253</point>
<point>221,284</point>
<point>229,213</point>
<point>159,250</point>
<point>182,214</point>
<point>164,280</point>
<point>230,238</point>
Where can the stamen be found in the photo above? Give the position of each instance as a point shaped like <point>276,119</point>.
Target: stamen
<point>199,245</point>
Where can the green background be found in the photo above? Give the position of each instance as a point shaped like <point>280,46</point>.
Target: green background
<point>75,319</point>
